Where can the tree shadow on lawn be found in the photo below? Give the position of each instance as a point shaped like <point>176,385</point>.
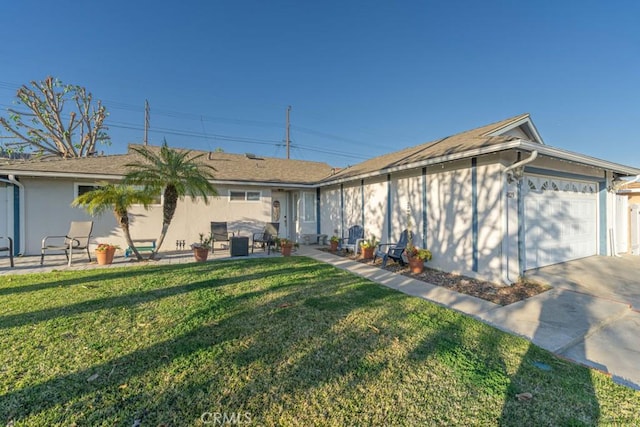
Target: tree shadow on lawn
<point>57,279</point>
<point>61,390</point>
<point>341,334</point>
<point>125,300</point>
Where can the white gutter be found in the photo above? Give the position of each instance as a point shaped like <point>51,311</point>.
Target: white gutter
<point>14,181</point>
<point>73,175</point>
<point>636,179</point>
<point>41,174</point>
<point>531,158</point>
<point>507,175</point>
<point>579,158</point>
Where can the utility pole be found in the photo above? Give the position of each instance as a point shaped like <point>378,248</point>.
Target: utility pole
<point>288,126</point>
<point>146,122</point>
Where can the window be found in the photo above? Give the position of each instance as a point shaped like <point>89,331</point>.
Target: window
<point>81,189</point>
<point>253,196</point>
<point>244,196</point>
<point>308,207</point>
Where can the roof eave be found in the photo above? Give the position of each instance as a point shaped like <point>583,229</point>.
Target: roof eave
<point>45,174</point>
<point>86,176</point>
<point>435,160</point>
<point>515,144</point>
<point>580,158</point>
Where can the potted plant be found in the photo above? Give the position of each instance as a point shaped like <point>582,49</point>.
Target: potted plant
<point>368,246</point>
<point>417,257</point>
<point>286,246</point>
<point>105,253</point>
<point>334,241</point>
<point>201,249</point>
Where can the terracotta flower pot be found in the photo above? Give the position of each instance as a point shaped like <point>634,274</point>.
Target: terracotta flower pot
<point>286,250</point>
<point>200,254</point>
<point>367,253</point>
<point>416,265</point>
<point>334,246</point>
<point>105,257</point>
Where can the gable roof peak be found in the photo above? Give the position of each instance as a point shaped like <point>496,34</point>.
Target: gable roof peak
<point>515,126</point>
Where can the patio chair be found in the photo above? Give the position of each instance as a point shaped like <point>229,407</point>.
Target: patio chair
<point>355,237</point>
<point>7,248</point>
<point>393,250</point>
<point>219,233</point>
<point>267,237</point>
<point>77,238</point>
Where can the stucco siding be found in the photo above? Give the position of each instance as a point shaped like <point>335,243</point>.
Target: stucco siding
<point>449,213</point>
<point>375,212</point>
<point>193,216</point>
<point>406,205</point>
<point>330,211</point>
<point>48,211</point>
<point>352,205</point>
<point>490,224</point>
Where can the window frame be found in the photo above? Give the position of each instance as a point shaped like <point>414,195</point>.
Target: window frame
<point>76,192</point>
<point>246,198</point>
<point>77,185</point>
<point>305,208</point>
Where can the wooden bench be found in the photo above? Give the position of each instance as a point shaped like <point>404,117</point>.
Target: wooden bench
<point>147,245</point>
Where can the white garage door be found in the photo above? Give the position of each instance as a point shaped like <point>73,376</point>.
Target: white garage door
<point>560,220</point>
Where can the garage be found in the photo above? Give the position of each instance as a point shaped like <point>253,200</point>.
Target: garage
<point>560,220</point>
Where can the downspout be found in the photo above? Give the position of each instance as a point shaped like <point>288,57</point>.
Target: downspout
<point>14,181</point>
<point>509,177</point>
<point>636,179</point>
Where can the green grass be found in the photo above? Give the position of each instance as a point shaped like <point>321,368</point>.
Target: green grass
<point>280,341</point>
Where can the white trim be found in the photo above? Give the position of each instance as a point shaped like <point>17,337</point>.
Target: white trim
<point>100,177</point>
<point>304,207</point>
<point>246,196</point>
<point>518,123</point>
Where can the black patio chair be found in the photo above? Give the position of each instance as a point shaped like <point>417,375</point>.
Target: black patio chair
<point>267,237</point>
<point>219,233</point>
<point>7,248</point>
<point>393,250</point>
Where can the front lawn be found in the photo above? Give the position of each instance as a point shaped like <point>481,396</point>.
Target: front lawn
<point>277,341</point>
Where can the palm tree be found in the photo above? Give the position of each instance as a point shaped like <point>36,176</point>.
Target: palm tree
<point>177,172</point>
<point>118,197</point>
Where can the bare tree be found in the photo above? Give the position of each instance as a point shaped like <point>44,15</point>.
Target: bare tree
<point>47,129</point>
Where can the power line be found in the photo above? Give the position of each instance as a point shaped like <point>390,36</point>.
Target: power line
<point>202,118</point>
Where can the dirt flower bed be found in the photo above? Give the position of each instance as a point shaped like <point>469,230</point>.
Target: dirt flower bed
<point>496,293</point>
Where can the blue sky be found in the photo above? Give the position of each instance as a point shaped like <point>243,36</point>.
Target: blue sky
<point>363,78</point>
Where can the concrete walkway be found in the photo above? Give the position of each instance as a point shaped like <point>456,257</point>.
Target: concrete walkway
<point>616,278</point>
<point>595,330</point>
<point>592,330</point>
<point>31,264</point>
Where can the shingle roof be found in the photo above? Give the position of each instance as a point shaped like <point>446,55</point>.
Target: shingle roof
<point>464,141</point>
<point>242,168</point>
<point>228,167</point>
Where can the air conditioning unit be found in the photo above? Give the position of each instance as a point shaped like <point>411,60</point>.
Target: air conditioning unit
<point>635,229</point>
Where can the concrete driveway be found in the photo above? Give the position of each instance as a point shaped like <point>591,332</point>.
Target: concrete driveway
<point>615,278</point>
